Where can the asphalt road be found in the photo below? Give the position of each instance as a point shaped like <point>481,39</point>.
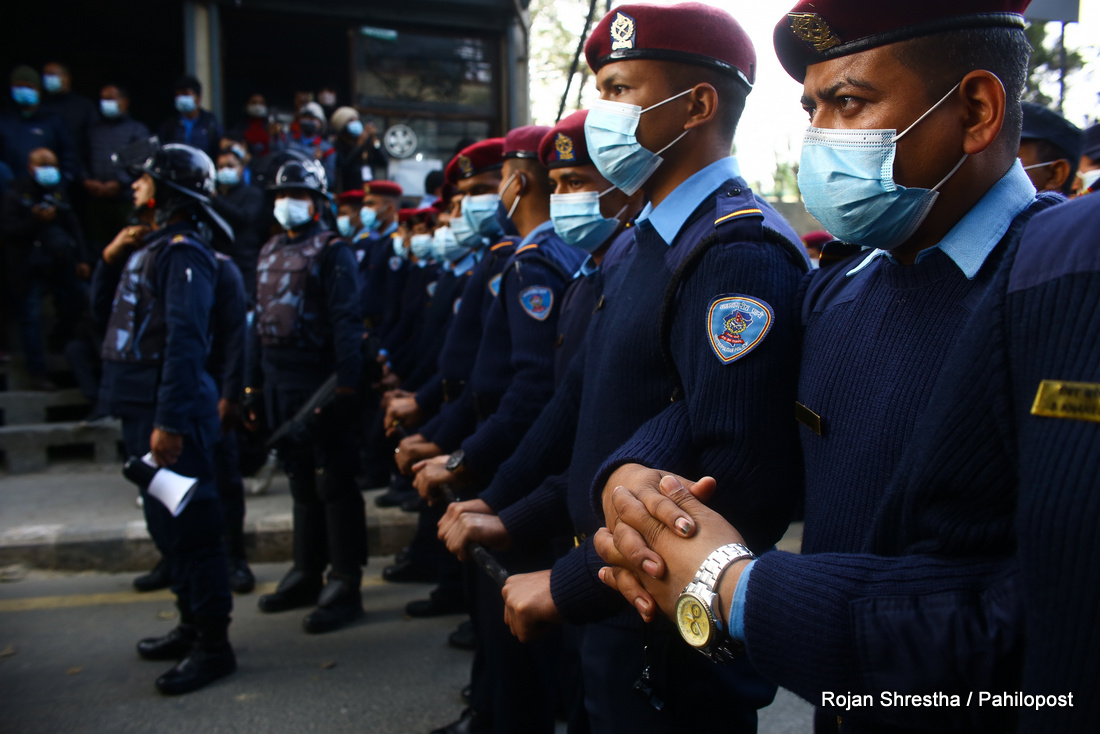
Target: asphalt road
<point>67,664</point>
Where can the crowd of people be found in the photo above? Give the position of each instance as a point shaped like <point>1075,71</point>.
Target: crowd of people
<point>577,360</point>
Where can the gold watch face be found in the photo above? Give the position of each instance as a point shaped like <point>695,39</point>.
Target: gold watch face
<point>693,621</point>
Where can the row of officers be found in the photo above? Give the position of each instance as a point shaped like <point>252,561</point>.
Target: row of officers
<point>586,361</point>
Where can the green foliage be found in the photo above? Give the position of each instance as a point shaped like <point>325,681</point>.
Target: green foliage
<point>1046,62</point>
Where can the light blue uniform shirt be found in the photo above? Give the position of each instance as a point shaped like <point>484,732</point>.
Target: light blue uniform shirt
<point>670,216</point>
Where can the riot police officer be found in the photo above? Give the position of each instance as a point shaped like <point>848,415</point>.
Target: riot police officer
<point>308,325</point>
<point>157,342</point>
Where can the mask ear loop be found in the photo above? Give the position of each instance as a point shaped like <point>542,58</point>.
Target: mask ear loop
<point>515,202</point>
<point>685,132</point>
<point>931,109</point>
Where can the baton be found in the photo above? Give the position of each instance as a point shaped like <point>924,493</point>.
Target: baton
<point>481,555</point>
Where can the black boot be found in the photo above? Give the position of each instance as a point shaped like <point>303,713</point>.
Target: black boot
<point>172,646</point>
<point>159,578</point>
<point>339,604</point>
<point>297,589</point>
<point>468,723</point>
<point>241,579</point>
<point>210,658</point>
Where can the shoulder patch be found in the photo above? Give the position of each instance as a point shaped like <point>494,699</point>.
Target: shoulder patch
<point>494,285</point>
<point>537,301</point>
<point>431,288</point>
<point>458,304</point>
<point>736,325</point>
<point>395,263</point>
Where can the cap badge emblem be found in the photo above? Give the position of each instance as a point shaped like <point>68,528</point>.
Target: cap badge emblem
<point>564,145</point>
<point>622,32</point>
<point>465,166</point>
<point>813,30</point>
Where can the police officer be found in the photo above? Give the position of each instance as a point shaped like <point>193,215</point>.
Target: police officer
<point>154,353</point>
<point>1050,148</point>
<point>1088,171</point>
<point>378,216</point>
<point>308,326</point>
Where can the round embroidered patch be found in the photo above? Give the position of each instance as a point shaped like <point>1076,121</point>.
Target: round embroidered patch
<point>458,303</point>
<point>537,301</point>
<point>494,285</point>
<point>736,325</point>
<point>395,263</point>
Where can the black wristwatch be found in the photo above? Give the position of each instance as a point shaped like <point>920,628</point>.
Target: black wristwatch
<point>457,465</point>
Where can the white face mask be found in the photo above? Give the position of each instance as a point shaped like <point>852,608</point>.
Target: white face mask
<point>292,213</point>
<point>1088,178</point>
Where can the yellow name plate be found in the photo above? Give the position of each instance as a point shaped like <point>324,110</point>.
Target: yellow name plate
<point>1073,400</point>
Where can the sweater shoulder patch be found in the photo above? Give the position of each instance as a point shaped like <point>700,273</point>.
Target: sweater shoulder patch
<point>736,325</point>
<point>395,263</point>
<point>494,285</point>
<point>537,301</point>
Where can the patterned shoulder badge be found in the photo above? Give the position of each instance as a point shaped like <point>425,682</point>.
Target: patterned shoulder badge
<point>537,301</point>
<point>494,285</point>
<point>431,288</point>
<point>458,304</point>
<point>395,263</point>
<point>736,325</point>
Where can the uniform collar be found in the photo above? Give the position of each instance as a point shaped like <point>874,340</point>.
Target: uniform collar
<point>462,266</point>
<point>973,237</point>
<point>388,230</point>
<point>587,268</point>
<point>670,216</point>
<point>537,233</point>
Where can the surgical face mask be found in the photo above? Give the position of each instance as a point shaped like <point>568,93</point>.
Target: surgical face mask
<point>25,96</point>
<point>52,83</point>
<point>579,222</point>
<point>466,236</point>
<point>327,99</point>
<point>1088,178</point>
<point>185,103</point>
<point>399,247</point>
<point>109,107</point>
<point>480,213</point>
<point>309,128</point>
<point>421,246</point>
<point>292,213</point>
<point>228,176</point>
<point>344,225</point>
<point>257,110</point>
<point>354,128</point>
<point>368,217</point>
<point>48,176</point>
<point>847,182</point>
<point>446,246</point>
<point>610,131</point>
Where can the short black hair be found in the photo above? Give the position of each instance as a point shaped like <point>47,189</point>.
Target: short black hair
<point>732,92</point>
<point>943,59</point>
<point>1048,152</point>
<point>122,91</point>
<point>434,180</point>
<point>190,83</point>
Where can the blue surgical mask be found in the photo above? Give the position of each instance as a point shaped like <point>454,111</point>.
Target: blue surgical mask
<point>610,131</point>
<point>846,178</point>
<point>466,236</point>
<point>344,226</point>
<point>446,246</point>
<point>480,213</point>
<point>399,247</point>
<point>579,222</point>
<point>51,83</point>
<point>368,218</point>
<point>185,103</point>
<point>292,213</point>
<point>47,176</point>
<point>228,176</point>
<point>421,246</point>
<point>109,107</point>
<point>354,128</point>
<point>25,96</point>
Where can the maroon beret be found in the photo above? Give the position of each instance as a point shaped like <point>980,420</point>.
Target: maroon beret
<point>688,33</point>
<point>523,142</point>
<point>819,30</point>
<point>565,144</point>
<point>382,188</point>
<point>485,155</point>
<point>816,239</point>
<point>350,197</point>
<point>440,205</point>
<point>416,216</point>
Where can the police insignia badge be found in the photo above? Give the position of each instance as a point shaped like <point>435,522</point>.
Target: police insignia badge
<point>813,30</point>
<point>537,301</point>
<point>564,145</point>
<point>622,32</point>
<point>359,255</point>
<point>465,166</point>
<point>494,285</point>
<point>395,263</point>
<point>431,288</point>
<point>458,304</point>
<point>736,325</point>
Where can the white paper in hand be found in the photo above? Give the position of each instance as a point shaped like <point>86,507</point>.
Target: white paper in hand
<point>173,490</point>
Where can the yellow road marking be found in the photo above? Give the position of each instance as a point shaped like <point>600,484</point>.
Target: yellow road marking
<point>35,603</point>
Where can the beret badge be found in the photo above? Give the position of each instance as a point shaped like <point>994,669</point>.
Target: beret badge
<point>465,166</point>
<point>564,145</point>
<point>812,29</point>
<point>622,32</point>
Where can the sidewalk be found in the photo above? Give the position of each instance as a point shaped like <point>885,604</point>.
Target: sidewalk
<point>83,517</point>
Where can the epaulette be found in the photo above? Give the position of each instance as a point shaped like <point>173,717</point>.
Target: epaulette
<point>501,245</point>
<point>835,251</point>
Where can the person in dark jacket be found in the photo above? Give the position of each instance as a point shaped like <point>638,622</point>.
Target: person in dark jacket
<point>77,111</point>
<point>359,156</point>
<point>191,125</point>
<point>242,206</point>
<point>28,126</point>
<point>45,250</point>
<point>108,185</point>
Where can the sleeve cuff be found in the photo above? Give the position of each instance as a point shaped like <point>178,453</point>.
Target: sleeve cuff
<point>737,606</point>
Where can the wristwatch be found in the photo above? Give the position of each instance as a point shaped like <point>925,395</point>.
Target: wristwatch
<point>695,617</point>
<point>456,464</point>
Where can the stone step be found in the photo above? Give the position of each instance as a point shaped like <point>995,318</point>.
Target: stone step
<point>26,448</point>
<point>24,407</point>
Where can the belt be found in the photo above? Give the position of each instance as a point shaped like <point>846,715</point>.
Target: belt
<point>485,405</point>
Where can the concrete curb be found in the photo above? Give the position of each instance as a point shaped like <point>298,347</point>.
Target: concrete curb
<point>128,547</point>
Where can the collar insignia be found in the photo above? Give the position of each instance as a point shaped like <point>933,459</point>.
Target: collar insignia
<point>622,32</point>
<point>812,29</point>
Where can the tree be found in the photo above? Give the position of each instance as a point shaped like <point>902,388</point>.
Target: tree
<point>1046,70</point>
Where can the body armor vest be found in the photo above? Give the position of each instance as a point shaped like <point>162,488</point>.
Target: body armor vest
<point>290,303</point>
